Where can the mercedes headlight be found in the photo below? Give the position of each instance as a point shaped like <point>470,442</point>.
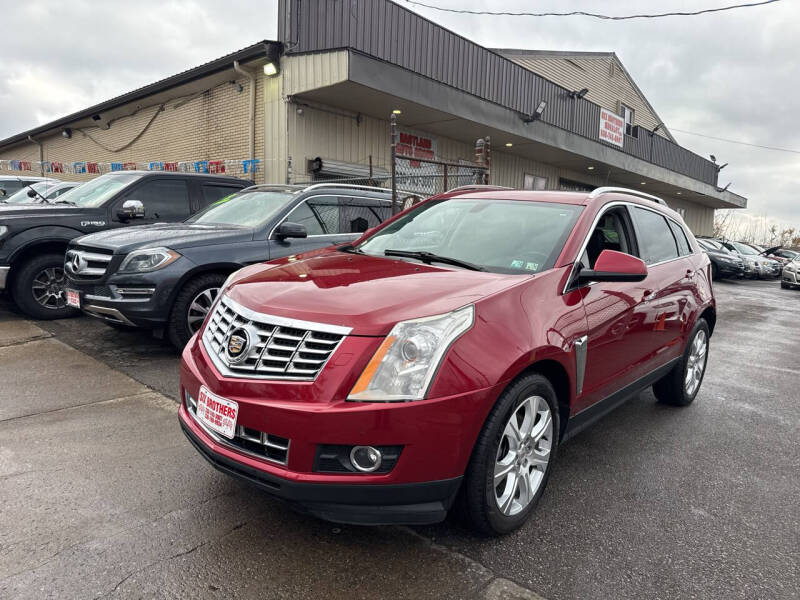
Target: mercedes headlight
<point>149,259</point>
<point>404,365</point>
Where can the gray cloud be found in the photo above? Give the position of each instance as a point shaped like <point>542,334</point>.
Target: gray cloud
<point>731,75</point>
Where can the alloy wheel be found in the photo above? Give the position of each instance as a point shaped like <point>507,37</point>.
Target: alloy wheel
<point>199,307</point>
<point>523,455</point>
<point>696,364</point>
<point>48,288</point>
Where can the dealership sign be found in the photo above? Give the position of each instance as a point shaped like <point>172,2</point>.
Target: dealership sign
<point>612,127</point>
<point>413,145</point>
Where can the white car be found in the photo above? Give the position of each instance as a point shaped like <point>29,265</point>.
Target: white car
<point>790,277</point>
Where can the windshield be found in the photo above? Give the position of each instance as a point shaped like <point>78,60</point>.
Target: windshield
<point>247,209</point>
<point>743,248</point>
<point>503,236</point>
<point>93,193</point>
<point>22,194</point>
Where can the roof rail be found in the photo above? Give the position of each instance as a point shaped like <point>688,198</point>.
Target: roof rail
<point>478,187</point>
<point>346,185</point>
<point>612,190</point>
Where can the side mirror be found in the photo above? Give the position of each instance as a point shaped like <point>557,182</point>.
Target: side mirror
<point>131,209</point>
<point>290,230</point>
<point>614,266</point>
<point>32,194</point>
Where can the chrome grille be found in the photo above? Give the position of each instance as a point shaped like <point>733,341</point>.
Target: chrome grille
<point>250,441</point>
<point>278,348</point>
<point>86,264</point>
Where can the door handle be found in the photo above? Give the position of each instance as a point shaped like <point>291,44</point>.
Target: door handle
<point>648,295</point>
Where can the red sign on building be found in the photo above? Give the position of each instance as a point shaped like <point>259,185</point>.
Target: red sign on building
<point>612,128</point>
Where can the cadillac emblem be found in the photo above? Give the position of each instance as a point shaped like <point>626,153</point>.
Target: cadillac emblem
<point>238,345</point>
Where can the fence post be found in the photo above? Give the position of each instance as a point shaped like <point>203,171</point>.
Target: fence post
<point>487,157</point>
<point>445,186</point>
<point>289,171</point>
<point>393,121</point>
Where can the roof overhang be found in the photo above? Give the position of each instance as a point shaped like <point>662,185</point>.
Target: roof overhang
<point>188,82</point>
<point>375,88</point>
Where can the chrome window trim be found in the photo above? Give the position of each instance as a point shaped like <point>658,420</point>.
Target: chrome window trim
<point>597,220</point>
<point>321,235</point>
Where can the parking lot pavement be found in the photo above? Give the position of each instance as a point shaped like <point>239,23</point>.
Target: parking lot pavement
<point>101,495</point>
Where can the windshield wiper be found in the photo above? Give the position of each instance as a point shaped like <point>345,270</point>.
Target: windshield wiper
<point>70,202</point>
<point>430,257</point>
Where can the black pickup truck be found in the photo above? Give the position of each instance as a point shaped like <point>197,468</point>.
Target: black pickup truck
<point>34,237</point>
<point>166,277</point>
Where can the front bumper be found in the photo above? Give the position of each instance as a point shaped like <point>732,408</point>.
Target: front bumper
<point>790,277</point>
<point>729,269</point>
<point>4,271</point>
<point>436,435</point>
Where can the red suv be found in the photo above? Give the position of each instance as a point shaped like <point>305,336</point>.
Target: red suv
<point>448,351</point>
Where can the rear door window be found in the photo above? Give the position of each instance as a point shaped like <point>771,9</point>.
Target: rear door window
<point>163,199</point>
<point>356,215</point>
<point>680,236</point>
<point>656,242</point>
<point>212,193</point>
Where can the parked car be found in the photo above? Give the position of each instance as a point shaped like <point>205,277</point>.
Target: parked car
<point>41,191</point>
<point>755,265</point>
<point>34,237</point>
<point>782,253</point>
<point>11,184</point>
<point>723,262</point>
<point>774,265</point>
<point>452,349</point>
<point>790,276</point>
<point>167,276</point>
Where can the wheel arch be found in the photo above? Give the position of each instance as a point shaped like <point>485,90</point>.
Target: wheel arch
<point>222,268</point>
<point>558,376</point>
<point>53,245</point>
<point>710,315</point>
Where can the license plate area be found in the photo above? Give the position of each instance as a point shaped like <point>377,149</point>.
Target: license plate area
<point>73,298</point>
<point>217,413</point>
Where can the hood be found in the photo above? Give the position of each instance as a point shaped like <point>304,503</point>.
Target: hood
<point>369,294</point>
<point>173,235</point>
<point>48,211</point>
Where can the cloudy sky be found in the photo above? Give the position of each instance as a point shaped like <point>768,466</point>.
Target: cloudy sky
<point>731,75</point>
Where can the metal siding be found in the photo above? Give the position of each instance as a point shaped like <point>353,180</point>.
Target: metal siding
<point>388,32</point>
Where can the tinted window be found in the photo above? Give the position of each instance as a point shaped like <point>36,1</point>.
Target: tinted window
<point>303,214</point>
<point>327,209</point>
<point>212,193</point>
<point>163,199</point>
<point>656,242</point>
<point>680,237</point>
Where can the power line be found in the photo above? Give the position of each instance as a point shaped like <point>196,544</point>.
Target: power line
<point>719,139</point>
<point>580,13</point>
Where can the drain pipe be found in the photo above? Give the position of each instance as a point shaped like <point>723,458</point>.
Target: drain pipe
<point>41,153</point>
<point>252,109</point>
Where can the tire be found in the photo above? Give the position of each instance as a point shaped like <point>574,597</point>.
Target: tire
<point>38,288</point>
<point>673,388</point>
<point>198,292</point>
<point>785,285</point>
<point>714,271</point>
<point>491,505</point>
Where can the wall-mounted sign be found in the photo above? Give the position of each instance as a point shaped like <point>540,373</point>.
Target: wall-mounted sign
<point>414,145</point>
<point>612,128</point>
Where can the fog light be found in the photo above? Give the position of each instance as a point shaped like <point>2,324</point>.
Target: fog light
<point>365,458</point>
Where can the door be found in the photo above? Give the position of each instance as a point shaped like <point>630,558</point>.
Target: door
<point>668,290</point>
<point>614,313</point>
<point>165,200</point>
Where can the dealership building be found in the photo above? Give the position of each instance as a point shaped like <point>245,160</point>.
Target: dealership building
<point>317,102</point>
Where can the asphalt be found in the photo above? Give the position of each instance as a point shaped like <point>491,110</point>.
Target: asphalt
<point>101,496</point>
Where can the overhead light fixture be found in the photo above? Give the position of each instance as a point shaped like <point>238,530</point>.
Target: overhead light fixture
<point>270,69</point>
<point>713,158</point>
<point>590,167</point>
<point>722,167</point>
<point>509,144</point>
<point>397,111</point>
<point>67,133</point>
<point>644,183</point>
<point>678,193</point>
<point>579,93</point>
<point>537,114</point>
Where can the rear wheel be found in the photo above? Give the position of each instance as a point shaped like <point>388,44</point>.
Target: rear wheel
<point>714,271</point>
<point>38,288</point>
<point>513,456</point>
<point>191,307</point>
<point>784,285</point>
<point>679,387</point>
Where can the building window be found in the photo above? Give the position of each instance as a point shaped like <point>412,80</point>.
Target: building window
<point>628,114</point>
<point>534,182</point>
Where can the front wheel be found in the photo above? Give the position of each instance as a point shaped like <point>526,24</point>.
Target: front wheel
<point>680,386</point>
<point>513,457</point>
<point>191,307</point>
<point>38,288</point>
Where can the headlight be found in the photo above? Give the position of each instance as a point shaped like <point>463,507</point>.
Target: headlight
<point>3,230</point>
<point>404,365</point>
<point>149,259</point>
<point>789,268</point>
